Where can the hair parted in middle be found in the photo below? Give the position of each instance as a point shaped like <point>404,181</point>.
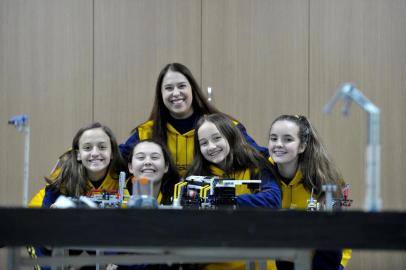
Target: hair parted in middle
<point>159,113</point>
<point>241,156</point>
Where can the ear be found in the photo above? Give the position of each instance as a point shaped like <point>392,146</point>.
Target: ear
<point>130,168</point>
<point>302,147</point>
<point>78,157</point>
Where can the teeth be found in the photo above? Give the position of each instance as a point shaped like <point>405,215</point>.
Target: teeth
<point>214,153</point>
<point>177,101</point>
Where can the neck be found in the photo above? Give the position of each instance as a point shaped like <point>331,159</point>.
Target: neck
<point>288,170</point>
<point>96,176</point>
<point>190,113</point>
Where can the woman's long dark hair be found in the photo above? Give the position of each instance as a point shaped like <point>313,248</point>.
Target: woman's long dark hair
<point>170,178</point>
<point>72,178</point>
<point>159,113</point>
<point>241,156</point>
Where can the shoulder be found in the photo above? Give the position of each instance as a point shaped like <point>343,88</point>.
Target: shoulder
<point>146,125</point>
<point>144,130</point>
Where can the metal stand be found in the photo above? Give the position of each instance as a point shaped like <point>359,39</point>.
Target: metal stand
<point>21,123</point>
<point>349,93</point>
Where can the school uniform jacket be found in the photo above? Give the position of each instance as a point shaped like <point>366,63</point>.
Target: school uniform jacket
<point>295,196</point>
<point>270,196</point>
<point>46,196</point>
<point>181,146</point>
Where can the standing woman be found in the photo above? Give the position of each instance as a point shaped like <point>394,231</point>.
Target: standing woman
<point>303,167</point>
<point>179,103</point>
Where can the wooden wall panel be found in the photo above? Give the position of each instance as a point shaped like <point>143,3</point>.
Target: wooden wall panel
<point>363,42</point>
<point>45,72</point>
<point>255,59</point>
<point>134,40</point>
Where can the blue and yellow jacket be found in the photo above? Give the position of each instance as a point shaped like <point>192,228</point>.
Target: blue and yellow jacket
<point>180,145</point>
<point>295,196</point>
<point>46,196</point>
<point>270,196</point>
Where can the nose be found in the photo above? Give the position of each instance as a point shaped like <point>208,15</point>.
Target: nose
<point>211,145</point>
<point>176,91</point>
<point>147,161</point>
<point>278,142</point>
<point>95,151</point>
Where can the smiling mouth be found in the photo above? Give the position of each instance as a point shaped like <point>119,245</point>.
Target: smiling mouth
<point>215,153</point>
<point>96,160</point>
<point>277,153</point>
<point>177,101</point>
<point>148,171</point>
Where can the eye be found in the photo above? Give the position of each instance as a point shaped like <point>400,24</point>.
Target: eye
<point>273,139</point>
<point>168,87</point>
<point>203,143</point>
<point>182,86</point>
<point>288,139</point>
<point>140,157</point>
<point>155,157</point>
<point>217,138</point>
<point>86,148</point>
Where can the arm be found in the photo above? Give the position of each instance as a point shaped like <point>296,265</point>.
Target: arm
<point>269,196</point>
<point>251,141</point>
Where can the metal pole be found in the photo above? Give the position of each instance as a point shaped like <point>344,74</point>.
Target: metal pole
<point>21,123</point>
<point>372,171</point>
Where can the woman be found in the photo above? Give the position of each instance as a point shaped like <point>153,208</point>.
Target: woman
<point>179,102</point>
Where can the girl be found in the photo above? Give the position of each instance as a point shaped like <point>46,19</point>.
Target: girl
<point>179,102</point>
<point>221,150</point>
<point>151,159</point>
<point>303,167</point>
<point>94,162</point>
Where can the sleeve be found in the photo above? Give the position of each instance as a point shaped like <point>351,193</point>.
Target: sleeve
<point>269,196</point>
<point>347,253</point>
<point>251,141</point>
<point>36,201</point>
<point>125,148</point>
<point>50,197</point>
